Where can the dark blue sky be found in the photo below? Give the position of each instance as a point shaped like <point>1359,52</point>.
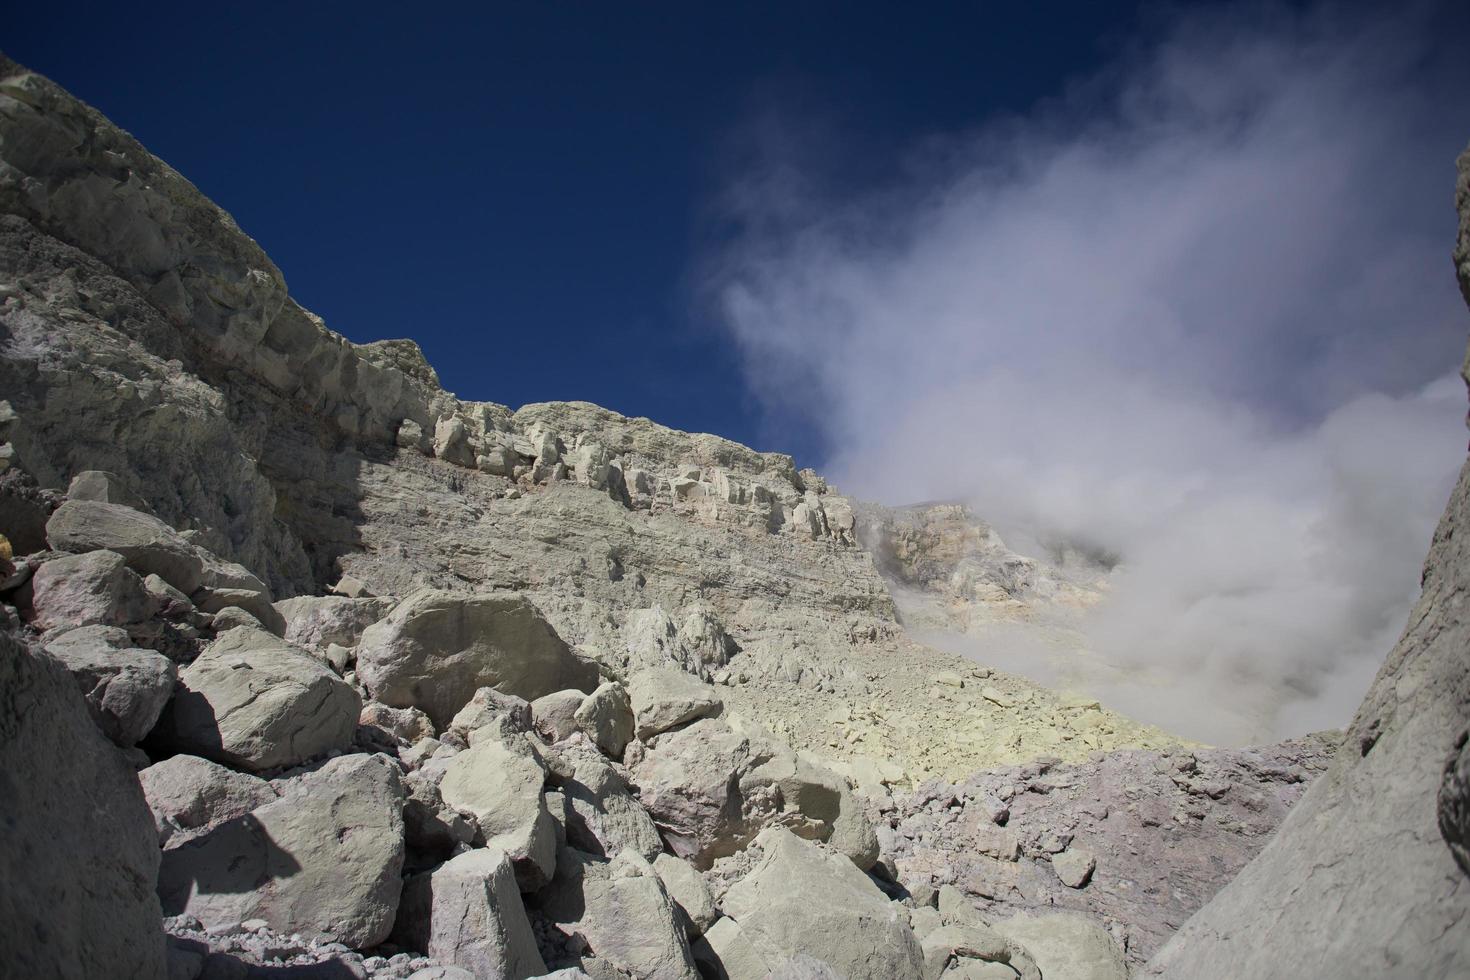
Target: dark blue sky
<point>525,188</point>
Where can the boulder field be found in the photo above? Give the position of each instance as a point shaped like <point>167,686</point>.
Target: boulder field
<point>310,668</point>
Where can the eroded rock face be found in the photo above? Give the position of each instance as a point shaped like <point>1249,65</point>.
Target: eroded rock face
<point>80,851</point>
<point>323,860</point>
<point>253,701</point>
<point>436,649</point>
<point>1359,880</point>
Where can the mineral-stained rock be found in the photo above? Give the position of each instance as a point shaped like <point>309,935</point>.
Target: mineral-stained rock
<point>83,590</point>
<point>79,853</point>
<point>468,913</point>
<point>149,545</point>
<point>607,718</point>
<point>500,783</point>
<point>436,649</point>
<point>190,796</point>
<point>663,699</point>
<point>254,701</point>
<point>801,899</point>
<point>125,687</point>
<point>322,861</point>
<point>1066,945</point>
<point>622,911</point>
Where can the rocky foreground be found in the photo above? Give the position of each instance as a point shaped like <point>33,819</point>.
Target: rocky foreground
<point>311,668</point>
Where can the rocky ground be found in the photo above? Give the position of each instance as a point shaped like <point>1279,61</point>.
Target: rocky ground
<point>310,668</point>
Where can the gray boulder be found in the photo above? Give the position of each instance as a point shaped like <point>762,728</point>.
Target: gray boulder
<point>503,714</point>
<point>149,545</point>
<point>125,687</point>
<point>190,796</point>
<point>607,718</point>
<point>436,649</point>
<point>1066,945</point>
<point>405,724</point>
<point>80,853</point>
<point>602,817</point>
<point>105,487</point>
<point>621,910</point>
<point>255,702</point>
<point>468,913</point>
<point>96,588</point>
<point>663,698</point>
<point>689,892</point>
<point>315,621</point>
<point>323,860</point>
<point>800,899</point>
<point>554,715</point>
<point>499,783</point>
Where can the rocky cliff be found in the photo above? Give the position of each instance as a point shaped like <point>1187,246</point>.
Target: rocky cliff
<point>414,685</point>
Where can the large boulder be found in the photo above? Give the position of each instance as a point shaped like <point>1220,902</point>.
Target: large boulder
<point>1066,945</point>
<point>79,852</point>
<point>96,588</point>
<point>323,860</point>
<point>499,783</point>
<point>694,782</point>
<point>602,817</point>
<point>149,545</point>
<point>190,796</point>
<point>554,715</point>
<point>689,892</point>
<point>800,899</point>
<point>621,911</point>
<point>1359,879</point>
<point>255,702</point>
<point>125,687</point>
<point>607,718</point>
<point>712,786</point>
<point>468,913</point>
<point>316,621</point>
<point>436,649</point>
<point>663,698</point>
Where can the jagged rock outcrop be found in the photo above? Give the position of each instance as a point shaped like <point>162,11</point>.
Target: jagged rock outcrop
<point>1360,880</point>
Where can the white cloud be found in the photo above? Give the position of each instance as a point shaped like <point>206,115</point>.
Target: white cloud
<point>1199,312</point>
